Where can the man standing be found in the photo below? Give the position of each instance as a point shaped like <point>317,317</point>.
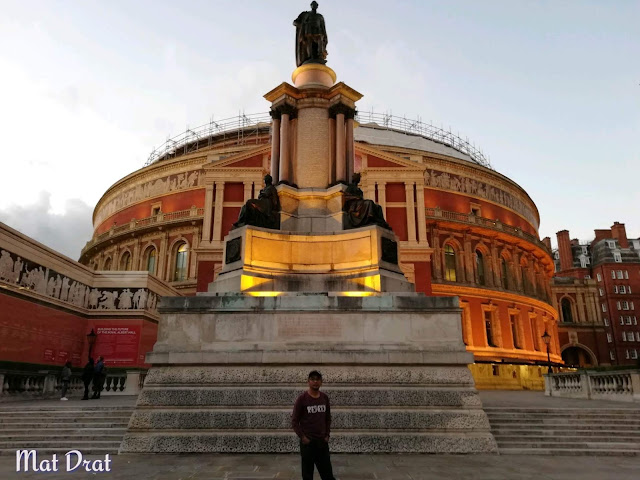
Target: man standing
<point>311,420</point>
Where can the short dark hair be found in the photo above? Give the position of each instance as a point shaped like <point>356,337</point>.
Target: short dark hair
<point>315,373</point>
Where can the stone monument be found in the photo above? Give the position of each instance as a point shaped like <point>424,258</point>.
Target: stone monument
<point>321,290</point>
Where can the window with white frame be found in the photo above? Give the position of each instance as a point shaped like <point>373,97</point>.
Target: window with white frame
<point>635,320</point>
<point>613,274</point>
<point>611,243</point>
<point>601,292</point>
<point>632,307</point>
<point>606,321</point>
<point>609,338</point>
<point>625,305</point>
<point>615,289</point>
<point>621,320</point>
<point>599,277</point>
<point>619,274</point>
<point>628,320</point>
<point>626,274</point>
<point>621,289</point>
<point>604,307</point>
<point>637,336</point>
<point>587,277</point>
<point>618,305</point>
<point>617,257</point>
<point>634,354</point>
<point>611,355</point>
<point>626,353</point>
<point>629,289</point>
<point>583,262</point>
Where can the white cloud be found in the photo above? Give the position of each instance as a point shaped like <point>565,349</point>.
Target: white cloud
<point>66,233</point>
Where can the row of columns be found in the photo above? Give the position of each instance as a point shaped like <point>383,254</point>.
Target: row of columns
<point>342,155</point>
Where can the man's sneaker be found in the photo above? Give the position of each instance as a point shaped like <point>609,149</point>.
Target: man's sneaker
<point>64,398</point>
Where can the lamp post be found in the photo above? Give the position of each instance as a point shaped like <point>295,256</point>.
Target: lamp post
<point>91,338</point>
<point>546,338</point>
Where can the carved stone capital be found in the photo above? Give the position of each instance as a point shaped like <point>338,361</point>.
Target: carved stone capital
<point>341,108</point>
<point>283,109</point>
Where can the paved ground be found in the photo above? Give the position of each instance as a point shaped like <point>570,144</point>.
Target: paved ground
<point>385,467</point>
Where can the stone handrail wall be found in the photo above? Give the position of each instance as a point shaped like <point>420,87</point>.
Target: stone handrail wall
<point>19,384</point>
<point>158,219</point>
<point>621,385</point>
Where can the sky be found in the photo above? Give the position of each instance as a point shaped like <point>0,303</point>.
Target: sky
<point>549,90</point>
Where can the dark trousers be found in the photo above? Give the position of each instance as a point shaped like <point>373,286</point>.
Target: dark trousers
<point>86,389</point>
<point>65,387</point>
<point>316,453</point>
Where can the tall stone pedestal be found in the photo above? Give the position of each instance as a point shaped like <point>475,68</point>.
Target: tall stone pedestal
<point>227,369</point>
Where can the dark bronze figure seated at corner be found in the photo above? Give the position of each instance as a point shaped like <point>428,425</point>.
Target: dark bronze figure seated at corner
<point>359,211</point>
<point>263,211</point>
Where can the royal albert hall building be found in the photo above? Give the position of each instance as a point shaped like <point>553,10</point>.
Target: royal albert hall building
<point>463,228</point>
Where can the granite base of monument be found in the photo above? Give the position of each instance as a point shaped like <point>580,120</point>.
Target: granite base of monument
<point>227,369</point>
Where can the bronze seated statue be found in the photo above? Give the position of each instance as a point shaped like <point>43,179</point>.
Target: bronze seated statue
<point>361,212</point>
<point>263,211</point>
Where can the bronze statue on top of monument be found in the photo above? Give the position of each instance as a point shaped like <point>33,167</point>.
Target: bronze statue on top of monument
<point>263,212</point>
<point>311,37</point>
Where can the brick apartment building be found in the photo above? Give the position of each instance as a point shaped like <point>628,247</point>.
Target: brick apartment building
<point>596,289</point>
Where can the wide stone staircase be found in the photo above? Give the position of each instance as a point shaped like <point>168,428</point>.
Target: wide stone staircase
<point>565,431</point>
<point>92,429</point>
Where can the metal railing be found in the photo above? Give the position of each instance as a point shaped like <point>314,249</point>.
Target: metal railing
<point>246,128</point>
<point>158,219</point>
<point>427,130</point>
<point>241,128</point>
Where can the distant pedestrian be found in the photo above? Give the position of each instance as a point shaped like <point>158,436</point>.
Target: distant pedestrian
<point>311,420</point>
<point>99,376</point>
<point>87,376</point>
<point>66,379</point>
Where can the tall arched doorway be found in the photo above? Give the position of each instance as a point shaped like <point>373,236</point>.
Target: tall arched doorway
<point>576,356</point>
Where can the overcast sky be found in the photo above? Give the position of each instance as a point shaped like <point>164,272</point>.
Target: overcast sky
<point>549,90</point>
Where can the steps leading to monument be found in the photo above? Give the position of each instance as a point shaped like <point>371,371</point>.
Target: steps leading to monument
<point>565,431</point>
<point>95,429</point>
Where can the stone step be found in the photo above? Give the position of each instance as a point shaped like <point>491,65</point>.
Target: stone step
<point>507,439</point>
<point>197,419</point>
<point>631,409</point>
<point>631,432</point>
<point>568,451</point>
<point>56,425</point>
<point>64,406</point>
<point>61,432</point>
<point>93,451</point>
<point>61,419</point>
<point>71,444</point>
<point>575,445</point>
<point>563,415</point>
<point>29,436</point>
<point>266,441</point>
<point>285,396</point>
<point>564,421</point>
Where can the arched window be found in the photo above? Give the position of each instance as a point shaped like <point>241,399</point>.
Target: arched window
<point>480,267</point>
<point>151,260</point>
<point>107,264</point>
<point>450,264</point>
<point>505,273</point>
<point>181,265</point>
<point>125,262</point>
<point>567,316</point>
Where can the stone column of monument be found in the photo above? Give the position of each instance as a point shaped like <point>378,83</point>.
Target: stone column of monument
<point>321,292</point>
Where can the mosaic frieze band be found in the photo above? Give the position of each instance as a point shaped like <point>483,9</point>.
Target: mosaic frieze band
<point>152,188</point>
<point>461,184</point>
<point>45,281</point>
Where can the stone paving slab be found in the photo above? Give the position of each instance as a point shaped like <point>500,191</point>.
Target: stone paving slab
<point>350,467</point>
<point>536,399</point>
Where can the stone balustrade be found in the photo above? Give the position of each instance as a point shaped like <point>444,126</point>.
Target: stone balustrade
<point>39,384</point>
<point>470,218</point>
<point>618,385</point>
<point>152,221</point>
